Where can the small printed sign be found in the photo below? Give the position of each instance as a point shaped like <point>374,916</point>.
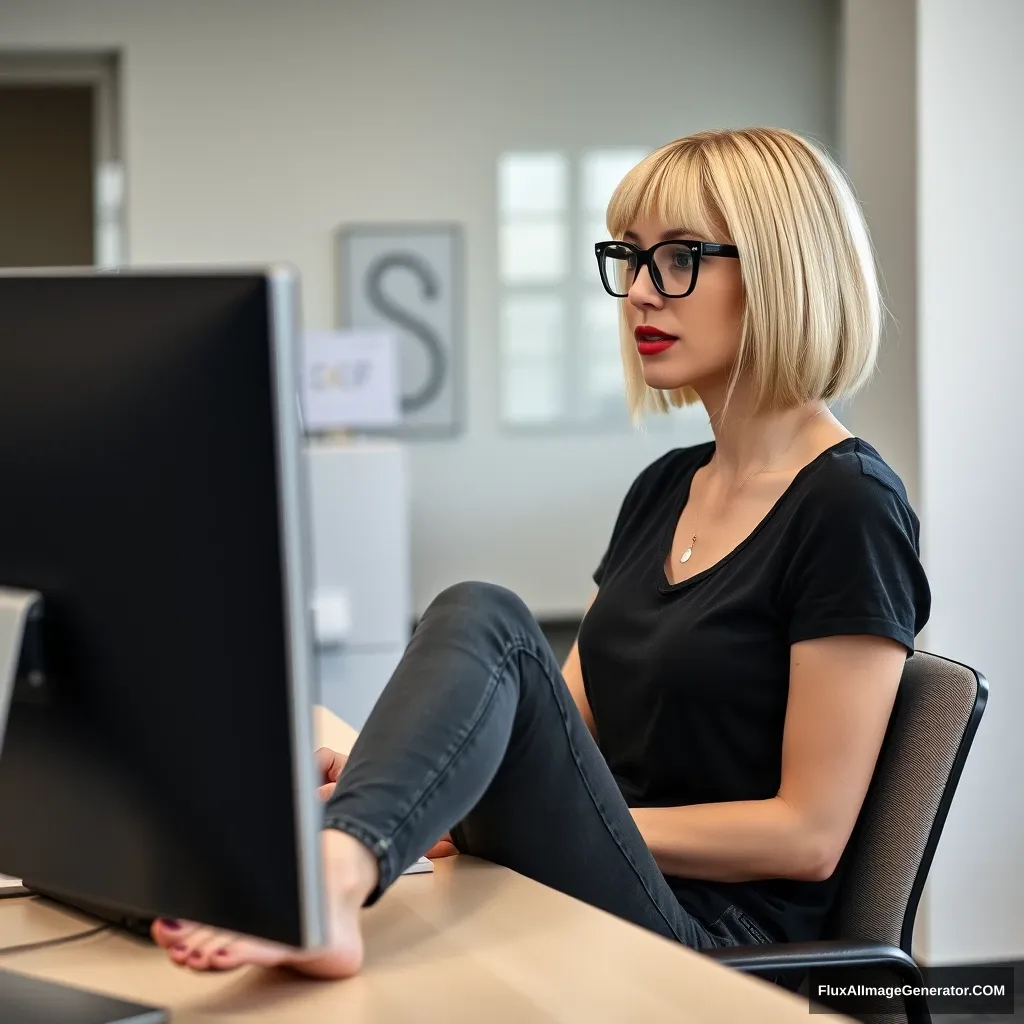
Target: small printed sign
<point>350,380</point>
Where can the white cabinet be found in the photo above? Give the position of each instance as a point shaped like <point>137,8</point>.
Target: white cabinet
<point>361,569</point>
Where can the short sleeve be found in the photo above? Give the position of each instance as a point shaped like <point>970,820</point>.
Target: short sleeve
<point>856,567</point>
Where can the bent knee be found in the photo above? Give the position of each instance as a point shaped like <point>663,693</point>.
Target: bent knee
<point>478,598</point>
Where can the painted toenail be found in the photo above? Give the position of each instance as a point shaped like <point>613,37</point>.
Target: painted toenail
<point>170,924</point>
<point>179,948</point>
<point>221,953</point>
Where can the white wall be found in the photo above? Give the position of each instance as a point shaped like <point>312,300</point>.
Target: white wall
<point>253,128</point>
<point>878,145</point>
<point>971,355</point>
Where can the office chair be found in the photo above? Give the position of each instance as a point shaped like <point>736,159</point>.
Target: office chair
<point>934,720</point>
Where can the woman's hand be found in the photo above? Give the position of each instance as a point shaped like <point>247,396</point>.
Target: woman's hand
<point>444,847</point>
<point>330,764</point>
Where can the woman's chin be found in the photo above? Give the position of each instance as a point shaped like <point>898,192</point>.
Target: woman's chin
<point>664,379</point>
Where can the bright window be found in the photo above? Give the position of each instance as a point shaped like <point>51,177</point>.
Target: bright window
<point>559,329</point>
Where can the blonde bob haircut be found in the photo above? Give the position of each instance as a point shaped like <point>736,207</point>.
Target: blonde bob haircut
<point>812,308</point>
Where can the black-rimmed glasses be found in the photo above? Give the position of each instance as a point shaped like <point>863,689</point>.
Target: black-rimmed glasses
<point>673,264</point>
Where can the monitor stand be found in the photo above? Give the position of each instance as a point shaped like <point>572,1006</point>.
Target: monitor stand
<point>25,1000</point>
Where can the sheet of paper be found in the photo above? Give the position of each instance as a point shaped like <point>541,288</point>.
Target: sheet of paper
<point>6,882</point>
<point>351,379</point>
<point>421,865</point>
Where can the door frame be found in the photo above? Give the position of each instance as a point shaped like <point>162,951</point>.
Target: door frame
<point>101,70</point>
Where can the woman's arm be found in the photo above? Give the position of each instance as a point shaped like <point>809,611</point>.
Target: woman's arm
<point>841,696</point>
<point>572,672</point>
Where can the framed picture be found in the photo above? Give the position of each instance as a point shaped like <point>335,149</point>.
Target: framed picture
<point>408,278</point>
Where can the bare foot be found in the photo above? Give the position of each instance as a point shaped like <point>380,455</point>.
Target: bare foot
<point>350,873</point>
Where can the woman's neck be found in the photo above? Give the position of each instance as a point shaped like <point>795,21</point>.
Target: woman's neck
<point>746,441</point>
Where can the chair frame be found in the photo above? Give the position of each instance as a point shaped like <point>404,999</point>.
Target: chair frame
<point>791,958</point>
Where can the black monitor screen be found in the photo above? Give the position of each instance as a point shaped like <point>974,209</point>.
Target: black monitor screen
<point>140,493</point>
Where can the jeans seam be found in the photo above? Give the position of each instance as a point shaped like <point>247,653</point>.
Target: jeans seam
<point>623,849</point>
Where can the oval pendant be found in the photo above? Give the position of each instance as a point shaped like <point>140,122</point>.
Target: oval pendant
<point>686,555</point>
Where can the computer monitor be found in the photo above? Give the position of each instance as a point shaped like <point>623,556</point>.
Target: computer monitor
<point>158,752</point>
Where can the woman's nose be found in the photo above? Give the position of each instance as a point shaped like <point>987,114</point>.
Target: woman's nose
<point>642,292</point>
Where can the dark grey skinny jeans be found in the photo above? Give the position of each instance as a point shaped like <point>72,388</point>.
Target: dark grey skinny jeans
<point>476,733</point>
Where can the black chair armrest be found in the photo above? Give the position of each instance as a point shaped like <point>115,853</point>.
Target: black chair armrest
<point>776,962</point>
<point>801,956</point>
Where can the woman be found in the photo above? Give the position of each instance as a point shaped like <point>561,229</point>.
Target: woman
<point>698,764</point>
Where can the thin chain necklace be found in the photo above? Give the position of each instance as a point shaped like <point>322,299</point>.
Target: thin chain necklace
<point>685,556</point>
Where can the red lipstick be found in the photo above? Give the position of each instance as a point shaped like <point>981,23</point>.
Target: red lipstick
<point>650,341</point>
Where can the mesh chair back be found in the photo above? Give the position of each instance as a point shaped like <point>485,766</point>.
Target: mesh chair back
<point>938,707</point>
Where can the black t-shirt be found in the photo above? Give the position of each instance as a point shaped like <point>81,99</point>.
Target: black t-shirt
<point>688,682</point>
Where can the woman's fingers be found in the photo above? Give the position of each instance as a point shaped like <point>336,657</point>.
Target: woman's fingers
<point>330,763</point>
<point>442,848</point>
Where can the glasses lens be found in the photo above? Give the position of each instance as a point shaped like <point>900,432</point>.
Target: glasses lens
<point>617,265</point>
<point>674,266</point>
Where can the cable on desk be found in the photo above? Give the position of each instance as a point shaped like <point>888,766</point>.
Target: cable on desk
<point>27,947</point>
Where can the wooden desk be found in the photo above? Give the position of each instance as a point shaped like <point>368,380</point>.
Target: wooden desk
<point>471,943</point>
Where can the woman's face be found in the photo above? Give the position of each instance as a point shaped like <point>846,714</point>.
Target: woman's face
<point>703,329</point>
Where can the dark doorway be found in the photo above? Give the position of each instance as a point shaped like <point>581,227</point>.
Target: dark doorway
<point>47,172</point>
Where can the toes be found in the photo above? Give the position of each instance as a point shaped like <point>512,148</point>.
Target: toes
<point>168,933</point>
<point>209,949</point>
<point>204,947</point>
<point>187,949</point>
<point>226,958</point>
<point>179,952</point>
